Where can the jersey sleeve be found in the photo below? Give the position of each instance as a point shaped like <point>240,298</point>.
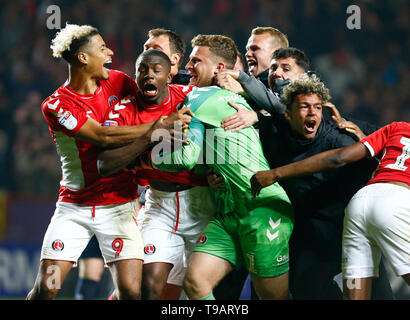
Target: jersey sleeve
<point>186,156</point>
<point>122,113</point>
<point>377,140</point>
<point>181,91</point>
<point>64,116</point>
<point>122,83</point>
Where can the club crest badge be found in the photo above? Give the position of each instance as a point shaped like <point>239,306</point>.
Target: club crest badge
<point>112,100</point>
<point>57,245</point>
<point>149,249</point>
<point>202,239</point>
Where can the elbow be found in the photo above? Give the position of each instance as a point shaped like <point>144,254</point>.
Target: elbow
<point>103,142</point>
<point>338,160</point>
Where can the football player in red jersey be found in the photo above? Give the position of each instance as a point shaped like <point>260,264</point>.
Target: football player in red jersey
<point>178,205</point>
<point>91,264</point>
<point>377,217</point>
<point>87,203</point>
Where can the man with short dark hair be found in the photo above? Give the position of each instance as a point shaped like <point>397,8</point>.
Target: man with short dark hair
<point>287,64</point>
<point>178,206</point>
<point>172,44</point>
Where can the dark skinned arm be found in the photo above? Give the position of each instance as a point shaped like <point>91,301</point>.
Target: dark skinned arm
<point>331,159</point>
<point>112,160</point>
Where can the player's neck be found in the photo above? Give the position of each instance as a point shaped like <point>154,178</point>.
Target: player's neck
<point>82,82</point>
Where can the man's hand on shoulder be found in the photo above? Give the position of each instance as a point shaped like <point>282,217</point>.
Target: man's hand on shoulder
<point>242,119</point>
<point>227,79</point>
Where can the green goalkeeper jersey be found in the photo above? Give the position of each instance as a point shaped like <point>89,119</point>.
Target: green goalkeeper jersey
<point>234,155</point>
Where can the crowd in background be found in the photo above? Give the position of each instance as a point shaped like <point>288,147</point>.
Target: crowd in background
<point>367,69</point>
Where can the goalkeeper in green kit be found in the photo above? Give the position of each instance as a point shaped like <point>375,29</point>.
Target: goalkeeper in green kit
<point>254,231</point>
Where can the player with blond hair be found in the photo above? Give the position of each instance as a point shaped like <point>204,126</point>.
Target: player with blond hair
<point>89,204</point>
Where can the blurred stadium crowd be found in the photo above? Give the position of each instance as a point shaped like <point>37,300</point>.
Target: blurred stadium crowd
<point>367,70</point>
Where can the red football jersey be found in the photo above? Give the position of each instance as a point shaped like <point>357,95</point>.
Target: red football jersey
<point>394,139</point>
<point>65,112</point>
<point>137,112</point>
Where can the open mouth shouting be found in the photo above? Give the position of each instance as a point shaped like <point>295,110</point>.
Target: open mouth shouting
<point>107,62</point>
<point>150,90</point>
<point>310,126</point>
<point>252,64</point>
<point>194,79</point>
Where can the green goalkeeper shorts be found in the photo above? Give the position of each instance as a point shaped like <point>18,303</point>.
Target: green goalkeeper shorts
<point>259,239</point>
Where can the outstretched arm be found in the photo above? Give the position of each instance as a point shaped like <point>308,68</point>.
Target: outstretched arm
<point>111,137</point>
<point>322,161</point>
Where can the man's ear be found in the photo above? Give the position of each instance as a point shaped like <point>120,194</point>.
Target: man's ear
<point>287,114</point>
<point>219,67</point>
<point>82,57</point>
<point>175,57</point>
<point>169,78</point>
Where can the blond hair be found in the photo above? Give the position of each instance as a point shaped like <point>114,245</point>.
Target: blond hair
<point>221,46</point>
<point>305,84</point>
<point>279,39</point>
<point>61,45</point>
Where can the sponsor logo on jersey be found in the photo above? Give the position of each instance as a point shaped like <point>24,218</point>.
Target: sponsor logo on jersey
<point>149,249</point>
<point>202,239</point>
<point>111,100</point>
<point>282,259</point>
<point>110,123</point>
<point>57,245</point>
<point>68,120</point>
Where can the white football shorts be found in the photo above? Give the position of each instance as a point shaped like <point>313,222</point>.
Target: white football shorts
<point>377,221</point>
<point>171,223</point>
<point>72,226</point>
